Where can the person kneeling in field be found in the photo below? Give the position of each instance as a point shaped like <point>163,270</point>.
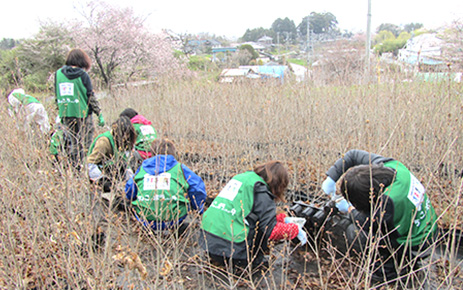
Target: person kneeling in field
<point>383,194</point>
<point>108,154</point>
<point>163,190</point>
<point>145,134</point>
<point>242,218</point>
<point>59,141</point>
<point>29,109</point>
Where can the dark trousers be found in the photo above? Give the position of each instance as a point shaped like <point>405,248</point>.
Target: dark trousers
<point>236,263</point>
<point>80,131</point>
<point>394,259</point>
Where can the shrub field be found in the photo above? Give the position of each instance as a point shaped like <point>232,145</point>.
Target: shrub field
<point>57,233</point>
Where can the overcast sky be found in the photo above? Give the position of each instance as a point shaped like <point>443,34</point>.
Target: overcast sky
<point>20,18</point>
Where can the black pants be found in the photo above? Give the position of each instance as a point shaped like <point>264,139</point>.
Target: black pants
<point>80,131</point>
<point>394,259</point>
<point>236,263</point>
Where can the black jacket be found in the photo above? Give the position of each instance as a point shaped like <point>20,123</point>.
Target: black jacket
<point>384,214</point>
<point>261,220</point>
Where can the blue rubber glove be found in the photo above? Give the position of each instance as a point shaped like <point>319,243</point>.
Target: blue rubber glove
<point>100,120</point>
<point>302,236</point>
<point>329,186</point>
<point>343,205</point>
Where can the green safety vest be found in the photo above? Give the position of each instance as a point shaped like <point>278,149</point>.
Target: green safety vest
<point>71,96</point>
<point>161,197</point>
<point>145,135</point>
<point>116,153</point>
<point>57,142</point>
<point>25,99</point>
<point>226,216</point>
<point>412,209</point>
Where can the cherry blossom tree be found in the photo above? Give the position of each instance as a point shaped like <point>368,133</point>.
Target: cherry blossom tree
<point>453,52</point>
<point>121,47</point>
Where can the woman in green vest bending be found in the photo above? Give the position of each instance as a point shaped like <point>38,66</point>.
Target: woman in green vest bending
<point>108,154</point>
<point>242,218</point>
<point>164,190</point>
<point>386,197</point>
<point>29,109</point>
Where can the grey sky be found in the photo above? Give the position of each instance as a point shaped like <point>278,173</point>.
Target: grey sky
<point>232,18</point>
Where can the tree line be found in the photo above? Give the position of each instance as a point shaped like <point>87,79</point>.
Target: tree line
<point>284,30</point>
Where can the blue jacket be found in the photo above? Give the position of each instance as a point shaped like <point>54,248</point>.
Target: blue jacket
<point>162,163</point>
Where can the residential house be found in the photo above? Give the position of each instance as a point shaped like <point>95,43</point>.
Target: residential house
<point>423,50</point>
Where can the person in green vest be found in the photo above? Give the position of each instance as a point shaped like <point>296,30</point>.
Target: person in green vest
<point>146,133</point>
<point>238,224</point>
<point>58,142</point>
<point>28,109</point>
<point>164,190</point>
<point>385,196</point>
<point>108,154</point>
<point>76,102</point>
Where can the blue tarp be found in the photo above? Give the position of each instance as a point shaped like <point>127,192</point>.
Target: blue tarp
<point>277,71</point>
<point>413,59</point>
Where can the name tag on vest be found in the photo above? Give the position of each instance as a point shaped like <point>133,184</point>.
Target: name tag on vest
<point>157,182</point>
<point>66,89</point>
<point>146,130</point>
<point>416,193</point>
<point>231,189</point>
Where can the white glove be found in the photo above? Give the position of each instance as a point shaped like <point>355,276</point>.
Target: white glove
<point>302,235</point>
<point>128,174</point>
<point>329,186</point>
<point>94,173</point>
<point>300,222</point>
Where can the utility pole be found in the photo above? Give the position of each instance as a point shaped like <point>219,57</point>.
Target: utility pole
<point>368,40</point>
<point>309,41</point>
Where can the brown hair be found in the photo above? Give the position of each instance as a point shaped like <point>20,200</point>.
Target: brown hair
<point>361,180</point>
<point>276,176</point>
<point>78,57</point>
<point>123,133</point>
<point>163,146</point>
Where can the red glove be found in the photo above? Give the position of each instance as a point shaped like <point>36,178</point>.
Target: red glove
<point>283,231</point>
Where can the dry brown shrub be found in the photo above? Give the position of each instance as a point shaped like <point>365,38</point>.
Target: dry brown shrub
<point>52,222</point>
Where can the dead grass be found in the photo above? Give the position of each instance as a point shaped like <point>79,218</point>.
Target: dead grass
<point>56,233</point>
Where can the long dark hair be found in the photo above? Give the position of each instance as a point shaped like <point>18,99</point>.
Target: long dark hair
<point>363,183</point>
<point>276,176</point>
<point>123,133</point>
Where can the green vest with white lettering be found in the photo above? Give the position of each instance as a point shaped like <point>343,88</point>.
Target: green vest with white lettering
<point>161,197</point>
<point>117,155</point>
<point>57,142</point>
<point>414,216</point>
<point>226,216</point>
<point>25,99</point>
<point>145,135</point>
<point>71,96</point>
